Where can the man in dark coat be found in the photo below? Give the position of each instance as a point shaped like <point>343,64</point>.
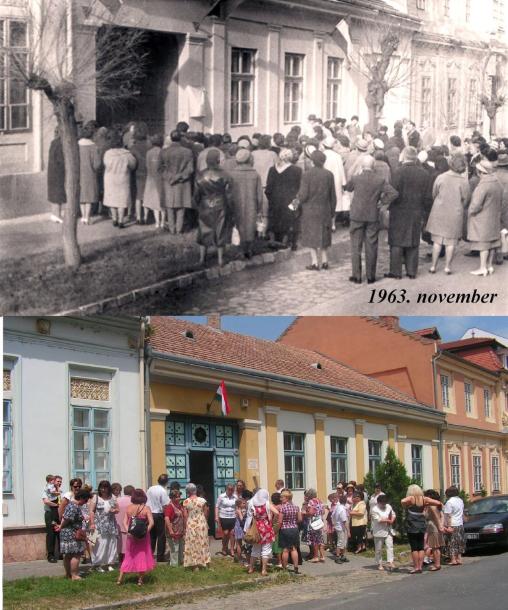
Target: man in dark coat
<point>369,189</point>
<point>56,177</point>
<point>406,213</point>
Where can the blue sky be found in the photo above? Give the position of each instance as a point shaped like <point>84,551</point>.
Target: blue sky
<point>452,327</point>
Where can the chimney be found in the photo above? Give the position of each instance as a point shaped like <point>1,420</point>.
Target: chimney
<point>213,321</point>
<point>391,321</point>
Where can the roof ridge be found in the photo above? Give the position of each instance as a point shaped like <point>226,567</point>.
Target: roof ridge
<point>403,331</point>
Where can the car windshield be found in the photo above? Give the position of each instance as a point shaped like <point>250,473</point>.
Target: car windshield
<point>489,505</point>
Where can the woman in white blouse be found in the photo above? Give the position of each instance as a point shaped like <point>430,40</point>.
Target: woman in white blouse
<point>382,517</point>
<point>225,516</point>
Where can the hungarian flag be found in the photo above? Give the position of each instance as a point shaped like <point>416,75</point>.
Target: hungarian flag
<point>222,395</point>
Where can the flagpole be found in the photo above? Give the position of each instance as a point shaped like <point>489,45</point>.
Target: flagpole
<point>209,404</point>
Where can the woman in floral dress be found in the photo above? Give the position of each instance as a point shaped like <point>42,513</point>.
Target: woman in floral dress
<point>316,512</point>
<point>103,509</point>
<point>72,544</point>
<point>197,546</point>
<point>263,512</point>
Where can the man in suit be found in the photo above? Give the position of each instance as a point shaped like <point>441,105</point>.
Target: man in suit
<point>369,189</point>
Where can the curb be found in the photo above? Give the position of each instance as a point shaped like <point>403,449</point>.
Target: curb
<point>156,597</point>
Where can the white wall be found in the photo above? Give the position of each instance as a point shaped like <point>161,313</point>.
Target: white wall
<point>41,406</point>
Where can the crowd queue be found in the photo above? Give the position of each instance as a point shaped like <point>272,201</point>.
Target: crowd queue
<point>294,188</point>
<point>134,529</point>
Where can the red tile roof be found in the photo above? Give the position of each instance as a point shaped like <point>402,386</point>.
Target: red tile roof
<point>221,347</point>
<point>477,350</point>
<point>461,343</point>
<point>432,332</point>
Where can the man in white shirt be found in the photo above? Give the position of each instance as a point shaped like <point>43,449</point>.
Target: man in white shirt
<point>157,499</point>
<point>340,522</point>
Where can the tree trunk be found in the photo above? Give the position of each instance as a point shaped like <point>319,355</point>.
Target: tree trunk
<point>64,110</point>
<point>492,124</point>
<point>373,118</point>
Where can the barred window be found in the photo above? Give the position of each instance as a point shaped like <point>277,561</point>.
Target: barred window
<point>14,94</point>
<point>293,87</point>
<point>242,86</point>
<point>333,86</point>
<point>294,460</point>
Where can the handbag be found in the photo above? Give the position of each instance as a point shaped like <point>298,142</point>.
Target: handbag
<point>252,534</point>
<point>317,523</point>
<point>138,528</point>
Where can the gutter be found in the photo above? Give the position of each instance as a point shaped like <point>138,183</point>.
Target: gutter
<point>146,406</point>
<point>289,380</point>
<point>442,427</point>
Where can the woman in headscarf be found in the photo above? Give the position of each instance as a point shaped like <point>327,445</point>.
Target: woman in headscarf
<point>451,196</point>
<point>247,194</point>
<point>317,200</point>
<point>262,511</point>
<point>282,186</point>
<point>484,217</point>
<point>213,200</point>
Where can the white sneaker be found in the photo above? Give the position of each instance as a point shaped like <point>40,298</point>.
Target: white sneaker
<point>99,569</point>
<point>111,569</point>
<point>55,218</point>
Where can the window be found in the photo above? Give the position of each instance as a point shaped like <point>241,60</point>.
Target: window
<point>420,4</point>
<point>468,397</point>
<point>446,8</point>
<point>486,403</point>
<point>445,391</point>
<point>468,11</point>
<point>417,463</point>
<point>91,444</point>
<point>294,460</point>
<point>451,102</point>
<point>499,14</point>
<point>455,469</point>
<point>338,449</point>
<point>477,473</point>
<point>473,102</point>
<point>495,473</point>
<point>7,446</point>
<point>13,63</point>
<point>333,86</point>
<point>426,97</point>
<point>374,455</point>
<point>293,87</point>
<point>242,86</point>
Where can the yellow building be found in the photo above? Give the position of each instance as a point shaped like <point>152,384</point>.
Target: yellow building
<point>295,414</point>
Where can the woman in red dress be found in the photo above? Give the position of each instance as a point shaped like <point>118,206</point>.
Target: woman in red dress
<point>263,512</point>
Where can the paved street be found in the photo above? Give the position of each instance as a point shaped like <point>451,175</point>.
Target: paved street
<point>480,583</point>
<point>287,288</point>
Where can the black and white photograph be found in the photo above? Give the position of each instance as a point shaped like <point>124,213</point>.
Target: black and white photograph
<point>311,157</point>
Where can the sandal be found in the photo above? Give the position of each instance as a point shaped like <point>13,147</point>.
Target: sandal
<point>434,569</point>
<point>415,571</point>
<point>315,560</point>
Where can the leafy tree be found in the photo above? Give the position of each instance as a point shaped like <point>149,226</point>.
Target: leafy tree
<point>465,497</point>
<point>391,474</point>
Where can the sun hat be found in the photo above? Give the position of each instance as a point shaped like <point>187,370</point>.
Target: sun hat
<point>242,155</point>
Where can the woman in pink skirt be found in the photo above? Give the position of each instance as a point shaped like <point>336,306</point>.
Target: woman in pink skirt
<point>138,553</point>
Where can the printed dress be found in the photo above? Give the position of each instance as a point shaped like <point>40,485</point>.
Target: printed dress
<point>68,543</point>
<point>105,551</point>
<point>264,526</point>
<point>197,547</point>
<point>239,525</point>
<point>315,536</point>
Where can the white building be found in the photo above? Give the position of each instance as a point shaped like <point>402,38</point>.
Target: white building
<point>73,406</point>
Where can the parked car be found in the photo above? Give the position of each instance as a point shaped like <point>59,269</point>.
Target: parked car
<point>486,522</point>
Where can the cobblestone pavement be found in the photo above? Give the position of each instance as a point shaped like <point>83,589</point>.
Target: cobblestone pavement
<point>289,289</point>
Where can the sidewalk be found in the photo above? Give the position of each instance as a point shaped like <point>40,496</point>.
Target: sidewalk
<point>28,569</point>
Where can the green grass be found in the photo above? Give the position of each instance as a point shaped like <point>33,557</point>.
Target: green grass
<point>58,593</point>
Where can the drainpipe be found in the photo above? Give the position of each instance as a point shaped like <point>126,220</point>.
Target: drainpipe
<point>440,450</point>
<point>148,437</point>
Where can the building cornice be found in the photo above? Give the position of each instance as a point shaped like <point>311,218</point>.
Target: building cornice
<point>474,431</point>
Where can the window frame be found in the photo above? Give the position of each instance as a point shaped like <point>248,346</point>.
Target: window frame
<point>291,117</point>
<point>5,82</point>
<point>8,427</point>
<point>487,403</point>
<point>241,78</point>
<point>468,398</point>
<point>452,101</point>
<point>447,404</point>
<point>473,103</point>
<point>455,474</point>
<point>333,84</point>
<point>91,430</point>
<point>421,5</point>
<point>477,473</point>
<point>292,454</point>
<point>338,456</point>
<point>416,461</point>
<point>374,459</point>
<point>425,101</point>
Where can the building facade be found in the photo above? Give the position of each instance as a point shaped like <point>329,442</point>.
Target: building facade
<point>295,415</point>
<point>469,390</point>
<point>73,406</point>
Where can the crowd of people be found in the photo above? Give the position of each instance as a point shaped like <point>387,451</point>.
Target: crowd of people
<point>295,188</point>
<point>134,529</point>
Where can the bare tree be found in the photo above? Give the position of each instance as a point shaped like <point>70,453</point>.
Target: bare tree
<point>62,70</point>
<point>383,58</point>
<point>492,97</point>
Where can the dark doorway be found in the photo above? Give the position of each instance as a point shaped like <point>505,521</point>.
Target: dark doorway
<point>201,473</point>
<point>156,103</point>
